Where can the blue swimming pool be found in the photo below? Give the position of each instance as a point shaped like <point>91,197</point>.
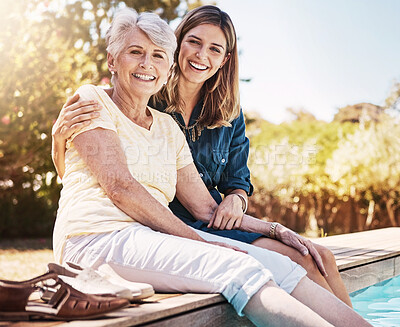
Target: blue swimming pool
<point>379,303</point>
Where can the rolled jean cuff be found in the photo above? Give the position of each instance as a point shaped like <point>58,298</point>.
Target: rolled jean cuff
<point>290,282</point>
<point>251,287</point>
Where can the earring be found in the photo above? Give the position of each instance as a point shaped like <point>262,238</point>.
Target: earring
<point>112,72</point>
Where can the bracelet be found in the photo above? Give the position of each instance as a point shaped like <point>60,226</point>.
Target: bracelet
<point>272,230</point>
<point>244,202</point>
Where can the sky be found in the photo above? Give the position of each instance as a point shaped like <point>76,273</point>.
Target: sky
<point>318,55</point>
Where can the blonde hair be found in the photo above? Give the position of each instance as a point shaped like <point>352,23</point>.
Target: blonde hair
<point>221,91</point>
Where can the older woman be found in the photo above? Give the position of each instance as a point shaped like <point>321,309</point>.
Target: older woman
<point>203,98</point>
<point>123,169</point>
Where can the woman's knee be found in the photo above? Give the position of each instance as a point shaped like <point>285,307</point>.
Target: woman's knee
<point>328,258</point>
<point>308,263</point>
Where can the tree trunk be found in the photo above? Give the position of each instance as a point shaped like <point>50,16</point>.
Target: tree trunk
<point>312,224</point>
<point>353,216</point>
<point>359,217</point>
<point>390,211</point>
<point>370,216</point>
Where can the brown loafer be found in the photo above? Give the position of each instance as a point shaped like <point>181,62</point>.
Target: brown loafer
<point>66,303</point>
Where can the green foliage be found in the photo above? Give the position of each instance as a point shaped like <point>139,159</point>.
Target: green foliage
<point>47,52</point>
<point>321,137</point>
<point>341,177</point>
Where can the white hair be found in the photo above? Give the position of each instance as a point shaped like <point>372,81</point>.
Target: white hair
<point>158,31</point>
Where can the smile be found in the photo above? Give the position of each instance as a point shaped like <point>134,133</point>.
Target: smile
<point>197,66</point>
<point>144,77</point>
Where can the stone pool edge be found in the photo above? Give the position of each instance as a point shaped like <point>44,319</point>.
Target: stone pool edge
<point>364,275</point>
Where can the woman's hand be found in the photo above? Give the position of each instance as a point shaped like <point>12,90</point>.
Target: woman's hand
<point>235,248</point>
<point>74,116</point>
<point>229,214</point>
<point>303,245</point>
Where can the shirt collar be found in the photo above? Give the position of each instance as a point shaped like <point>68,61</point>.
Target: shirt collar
<point>194,116</point>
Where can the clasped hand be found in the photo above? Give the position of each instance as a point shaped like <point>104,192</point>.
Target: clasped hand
<point>228,215</point>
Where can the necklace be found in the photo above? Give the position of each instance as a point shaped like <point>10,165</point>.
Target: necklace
<point>193,131</point>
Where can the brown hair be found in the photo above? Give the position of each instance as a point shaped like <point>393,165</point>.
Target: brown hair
<point>221,91</point>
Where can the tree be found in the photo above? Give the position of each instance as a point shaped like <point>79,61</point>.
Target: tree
<point>360,113</point>
<point>47,51</point>
<point>367,165</point>
<point>301,114</point>
<point>393,100</point>
<point>287,163</point>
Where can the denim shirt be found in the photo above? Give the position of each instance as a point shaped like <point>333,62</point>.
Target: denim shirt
<point>220,156</point>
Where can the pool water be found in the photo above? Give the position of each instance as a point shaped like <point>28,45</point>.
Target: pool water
<point>379,303</point>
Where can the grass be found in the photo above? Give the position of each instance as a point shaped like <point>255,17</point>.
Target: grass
<point>21,259</point>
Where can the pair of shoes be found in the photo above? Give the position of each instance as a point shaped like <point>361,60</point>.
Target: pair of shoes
<point>103,281</point>
<point>88,281</point>
<point>146,290</point>
<point>66,303</point>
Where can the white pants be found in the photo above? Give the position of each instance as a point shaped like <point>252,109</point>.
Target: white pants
<point>174,264</point>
